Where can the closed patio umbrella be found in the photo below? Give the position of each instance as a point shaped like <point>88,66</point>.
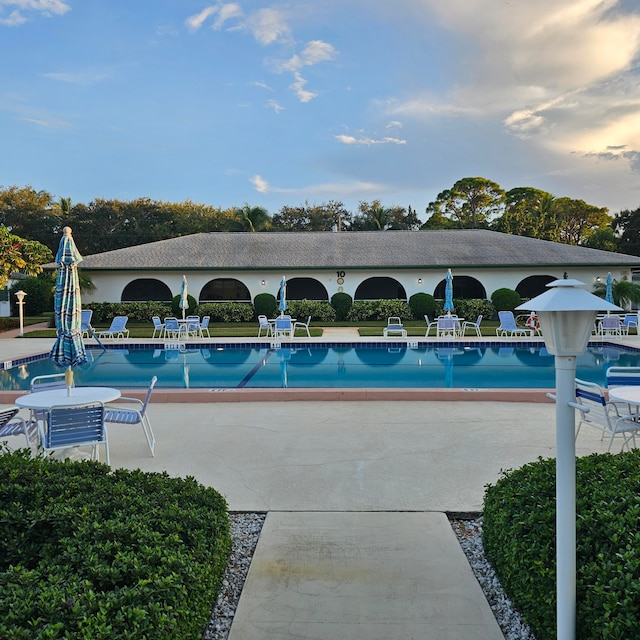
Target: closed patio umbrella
<point>68,349</point>
<point>184,297</point>
<point>448,292</point>
<point>608,296</point>
<point>282,305</point>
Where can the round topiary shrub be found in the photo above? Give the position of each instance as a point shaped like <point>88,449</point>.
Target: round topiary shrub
<point>505,299</point>
<point>341,302</point>
<point>175,305</point>
<point>265,304</point>
<point>422,304</point>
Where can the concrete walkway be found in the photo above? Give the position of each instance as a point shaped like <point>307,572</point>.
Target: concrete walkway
<point>356,543</point>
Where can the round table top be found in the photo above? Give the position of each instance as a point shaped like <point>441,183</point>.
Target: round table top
<point>60,397</point>
<point>629,393</point>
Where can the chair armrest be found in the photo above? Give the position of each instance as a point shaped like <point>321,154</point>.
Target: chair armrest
<point>122,400</point>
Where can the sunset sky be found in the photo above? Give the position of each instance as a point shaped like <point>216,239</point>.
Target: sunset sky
<point>278,103</point>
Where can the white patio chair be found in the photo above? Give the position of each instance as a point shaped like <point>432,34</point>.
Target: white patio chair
<point>302,325</point>
<point>75,426</point>
<point>264,325</point>
<point>204,326</point>
<point>474,326</point>
<point>11,424</point>
<point>508,325</point>
<point>431,324</point>
<point>394,326</point>
<point>446,327</point>
<point>599,413</point>
<point>284,327</point>
<point>610,326</point>
<point>135,413</point>
<point>158,327</point>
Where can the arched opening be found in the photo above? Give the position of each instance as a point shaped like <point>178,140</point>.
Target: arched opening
<point>305,289</point>
<point>464,288</point>
<point>228,289</point>
<point>380,288</point>
<point>145,289</point>
<point>533,286</point>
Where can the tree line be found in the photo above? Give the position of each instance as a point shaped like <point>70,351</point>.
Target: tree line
<point>30,216</point>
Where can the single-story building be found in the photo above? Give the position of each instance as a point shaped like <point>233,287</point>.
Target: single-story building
<point>367,265</point>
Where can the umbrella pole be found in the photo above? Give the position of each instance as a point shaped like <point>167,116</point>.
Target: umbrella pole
<point>68,379</point>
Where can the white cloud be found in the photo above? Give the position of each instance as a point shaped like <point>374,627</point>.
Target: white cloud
<point>368,141</point>
<point>45,7</point>
<point>195,21</point>
<point>227,12</point>
<point>315,52</point>
<point>268,26</point>
<point>79,78</point>
<point>275,105</point>
<point>260,184</point>
<point>298,88</point>
<point>337,190</point>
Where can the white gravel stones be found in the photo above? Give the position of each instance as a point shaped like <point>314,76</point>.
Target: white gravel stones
<point>245,531</point>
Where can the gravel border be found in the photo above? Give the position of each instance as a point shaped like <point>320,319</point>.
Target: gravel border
<point>245,531</point>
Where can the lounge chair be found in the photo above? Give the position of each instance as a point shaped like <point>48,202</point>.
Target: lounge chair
<point>302,325</point>
<point>394,326</point>
<point>264,325</point>
<point>11,424</point>
<point>136,413</point>
<point>508,325</point>
<point>474,326</point>
<point>158,327</point>
<point>204,326</point>
<point>118,329</point>
<point>79,426</point>
<point>603,415</point>
<point>630,321</point>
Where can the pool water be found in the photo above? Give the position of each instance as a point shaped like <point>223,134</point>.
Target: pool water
<point>387,365</point>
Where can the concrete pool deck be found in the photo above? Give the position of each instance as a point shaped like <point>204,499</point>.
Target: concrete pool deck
<point>356,542</point>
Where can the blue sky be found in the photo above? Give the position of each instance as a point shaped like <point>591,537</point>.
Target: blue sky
<point>278,103</point>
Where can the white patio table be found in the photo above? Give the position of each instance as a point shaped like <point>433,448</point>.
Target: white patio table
<point>629,394</point>
<point>44,400</point>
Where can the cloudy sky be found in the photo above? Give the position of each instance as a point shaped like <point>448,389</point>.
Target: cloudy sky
<point>278,103</point>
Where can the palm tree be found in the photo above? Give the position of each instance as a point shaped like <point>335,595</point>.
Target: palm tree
<point>251,219</point>
<point>625,293</point>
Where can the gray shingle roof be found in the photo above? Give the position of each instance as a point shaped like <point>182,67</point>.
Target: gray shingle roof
<point>376,249</point>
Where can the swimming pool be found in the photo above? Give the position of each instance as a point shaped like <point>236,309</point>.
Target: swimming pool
<point>421,365</point>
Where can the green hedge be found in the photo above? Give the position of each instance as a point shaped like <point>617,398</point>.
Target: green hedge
<point>90,552</point>
<point>519,540</point>
<point>226,311</point>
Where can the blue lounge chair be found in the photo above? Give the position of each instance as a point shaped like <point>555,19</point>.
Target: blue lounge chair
<point>117,330</point>
<point>284,327</point>
<point>508,325</point>
<point>11,424</point>
<point>85,323</point>
<point>158,327</point>
<point>394,326</point>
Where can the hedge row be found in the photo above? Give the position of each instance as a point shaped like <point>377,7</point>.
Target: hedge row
<point>519,540</point>
<point>90,552</point>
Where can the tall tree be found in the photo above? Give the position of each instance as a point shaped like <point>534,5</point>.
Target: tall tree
<point>626,225</point>
<point>322,217</point>
<point>472,203</point>
<point>528,212</point>
<point>577,220</point>
<point>247,218</point>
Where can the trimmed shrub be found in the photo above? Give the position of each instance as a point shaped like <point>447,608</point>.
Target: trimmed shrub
<point>94,552</point>
<point>505,299</point>
<point>265,304</point>
<point>471,308</point>
<point>341,302</point>
<point>519,540</point>
<point>175,305</point>
<point>379,310</point>
<point>103,312</point>
<point>422,304</point>
<point>227,311</point>
<point>319,310</point>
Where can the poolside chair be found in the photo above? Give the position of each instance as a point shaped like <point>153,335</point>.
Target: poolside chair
<point>446,327</point>
<point>508,325</point>
<point>75,426</point>
<point>85,323</point>
<point>172,328</point>
<point>610,326</point>
<point>118,329</point>
<point>394,326</point>
<point>622,377</point>
<point>48,381</point>
<point>630,321</point>
<point>264,325</point>
<point>284,327</point>
<point>474,326</point>
<point>302,325</point>
<point>603,415</point>
<point>431,324</point>
<point>158,327</point>
<point>134,414</point>
<point>11,424</point>
<point>191,326</point>
<point>204,326</point>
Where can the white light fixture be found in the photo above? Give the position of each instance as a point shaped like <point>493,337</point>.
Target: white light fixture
<point>566,313</point>
<point>263,282</point>
<point>20,295</point>
<point>419,280</point>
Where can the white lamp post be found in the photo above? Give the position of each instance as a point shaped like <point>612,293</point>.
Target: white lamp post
<point>566,314</point>
<point>20,296</point>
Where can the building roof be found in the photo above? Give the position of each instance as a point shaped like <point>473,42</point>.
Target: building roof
<point>477,248</point>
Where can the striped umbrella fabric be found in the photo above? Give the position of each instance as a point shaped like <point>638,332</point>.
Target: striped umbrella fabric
<point>68,349</point>
<point>184,296</point>
<point>609,290</point>
<point>282,305</point>
<point>448,292</point>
